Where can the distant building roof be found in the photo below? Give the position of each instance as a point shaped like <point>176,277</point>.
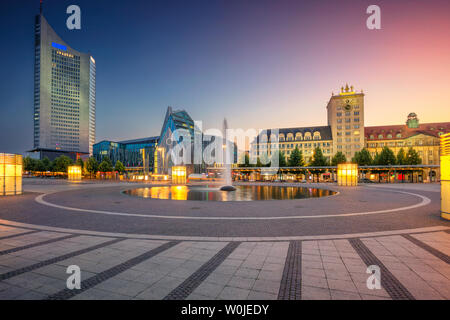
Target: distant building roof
<point>141,140</point>
<point>431,129</point>
<point>325,131</point>
<point>133,141</point>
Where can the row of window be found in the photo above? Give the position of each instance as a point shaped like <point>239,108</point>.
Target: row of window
<point>347,120</point>
<point>347,113</point>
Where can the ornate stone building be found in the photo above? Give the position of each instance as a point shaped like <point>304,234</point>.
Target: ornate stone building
<point>344,132</point>
<point>423,137</point>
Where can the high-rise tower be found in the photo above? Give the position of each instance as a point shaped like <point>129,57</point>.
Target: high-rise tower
<point>346,119</point>
<point>64,93</point>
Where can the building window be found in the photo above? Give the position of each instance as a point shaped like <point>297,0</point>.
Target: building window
<point>399,135</point>
<point>389,136</point>
<point>380,136</point>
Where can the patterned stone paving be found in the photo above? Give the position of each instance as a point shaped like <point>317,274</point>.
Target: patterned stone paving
<point>33,265</point>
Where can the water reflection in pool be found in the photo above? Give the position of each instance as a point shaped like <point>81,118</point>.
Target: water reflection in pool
<point>242,193</point>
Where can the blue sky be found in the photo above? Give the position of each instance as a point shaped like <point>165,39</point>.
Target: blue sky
<point>259,63</point>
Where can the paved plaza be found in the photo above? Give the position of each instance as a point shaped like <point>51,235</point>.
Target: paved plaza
<point>132,249</point>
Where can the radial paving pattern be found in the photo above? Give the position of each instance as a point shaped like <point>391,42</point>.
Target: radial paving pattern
<point>33,266</point>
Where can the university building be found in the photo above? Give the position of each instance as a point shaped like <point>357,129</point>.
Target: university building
<point>64,96</point>
<point>153,154</point>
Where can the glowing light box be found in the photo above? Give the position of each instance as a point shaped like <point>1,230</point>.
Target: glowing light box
<point>10,174</point>
<point>347,174</point>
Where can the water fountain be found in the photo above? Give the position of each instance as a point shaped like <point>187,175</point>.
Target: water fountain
<point>226,164</point>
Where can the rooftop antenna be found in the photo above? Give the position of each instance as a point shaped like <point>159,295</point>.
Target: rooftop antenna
<point>40,6</point>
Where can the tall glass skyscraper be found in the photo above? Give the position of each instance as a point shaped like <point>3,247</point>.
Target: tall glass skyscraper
<point>64,94</point>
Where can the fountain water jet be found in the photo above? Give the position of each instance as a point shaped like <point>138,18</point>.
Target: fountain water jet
<point>227,165</point>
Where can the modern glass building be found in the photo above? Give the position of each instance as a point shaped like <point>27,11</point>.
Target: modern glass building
<point>153,154</point>
<point>174,120</point>
<point>64,94</point>
<point>136,154</point>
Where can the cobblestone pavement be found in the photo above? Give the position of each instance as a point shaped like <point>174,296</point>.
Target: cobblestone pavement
<point>296,249</point>
<point>414,265</point>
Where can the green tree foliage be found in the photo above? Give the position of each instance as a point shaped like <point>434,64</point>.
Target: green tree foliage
<point>29,164</point>
<point>105,165</point>
<point>363,158</point>
<point>338,158</point>
<point>376,159</point>
<point>318,159</point>
<point>119,167</point>
<point>296,158</point>
<point>80,163</point>
<point>40,166</point>
<point>61,163</point>
<point>281,159</point>
<point>47,164</point>
<point>91,165</point>
<point>412,157</point>
<point>401,156</point>
<point>387,157</point>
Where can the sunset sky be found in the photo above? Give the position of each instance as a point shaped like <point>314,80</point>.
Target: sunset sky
<point>258,63</point>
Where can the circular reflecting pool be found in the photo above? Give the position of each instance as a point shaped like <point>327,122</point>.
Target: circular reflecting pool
<point>242,193</point>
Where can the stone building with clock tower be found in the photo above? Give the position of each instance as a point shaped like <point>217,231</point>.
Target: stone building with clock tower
<point>346,121</point>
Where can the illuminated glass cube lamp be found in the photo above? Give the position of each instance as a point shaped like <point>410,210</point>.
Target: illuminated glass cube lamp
<point>347,174</point>
<point>445,176</point>
<point>74,173</point>
<point>178,175</point>
<point>10,174</point>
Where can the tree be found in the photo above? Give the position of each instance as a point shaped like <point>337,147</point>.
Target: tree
<point>362,158</point>
<point>401,156</point>
<point>281,159</point>
<point>47,164</point>
<point>91,166</point>
<point>120,167</point>
<point>296,158</point>
<point>412,157</point>
<point>318,160</point>
<point>338,158</point>
<point>376,159</point>
<point>105,165</point>
<point>40,166</point>
<point>61,163</point>
<point>80,163</point>
<point>29,164</point>
<point>387,157</point>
